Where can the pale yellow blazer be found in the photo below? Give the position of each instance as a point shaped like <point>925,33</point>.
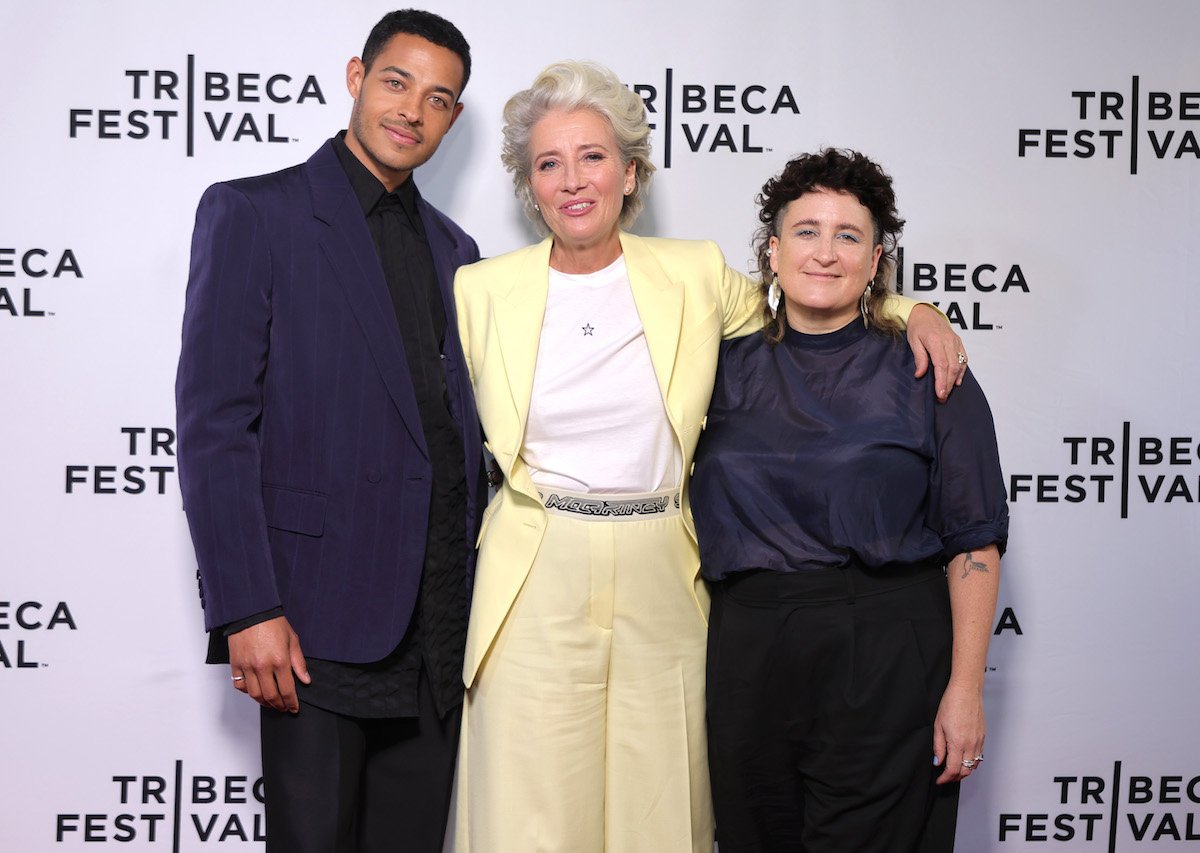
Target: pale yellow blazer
<point>688,299</point>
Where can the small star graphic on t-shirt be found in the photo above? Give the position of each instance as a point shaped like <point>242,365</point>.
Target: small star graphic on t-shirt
<point>588,329</point>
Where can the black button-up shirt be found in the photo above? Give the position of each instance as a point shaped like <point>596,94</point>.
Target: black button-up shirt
<point>437,634</point>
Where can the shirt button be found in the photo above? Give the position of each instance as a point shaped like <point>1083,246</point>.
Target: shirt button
<point>373,476</point>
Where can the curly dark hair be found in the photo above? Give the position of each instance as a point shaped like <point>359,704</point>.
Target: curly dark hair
<point>417,22</point>
<point>839,170</point>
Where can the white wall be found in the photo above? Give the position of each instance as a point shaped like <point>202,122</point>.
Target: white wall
<point>110,725</point>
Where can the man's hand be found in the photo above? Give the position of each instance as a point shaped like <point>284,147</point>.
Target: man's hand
<point>265,656</point>
<point>932,340</point>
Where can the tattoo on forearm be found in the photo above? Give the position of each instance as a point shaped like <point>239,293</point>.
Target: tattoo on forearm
<point>970,564</point>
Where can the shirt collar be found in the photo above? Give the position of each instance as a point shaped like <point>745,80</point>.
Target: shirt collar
<point>368,189</point>
<point>853,331</point>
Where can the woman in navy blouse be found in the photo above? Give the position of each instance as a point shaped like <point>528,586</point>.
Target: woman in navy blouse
<point>852,528</point>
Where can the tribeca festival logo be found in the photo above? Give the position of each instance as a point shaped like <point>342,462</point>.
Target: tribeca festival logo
<point>20,624</point>
<point>177,810</point>
<point>144,477</point>
<point>709,118</point>
<point>1119,470</point>
<point>26,267</point>
<point>221,106</point>
<point>1143,809</point>
<point>1124,125</point>
<point>1007,631</point>
<point>965,292</point>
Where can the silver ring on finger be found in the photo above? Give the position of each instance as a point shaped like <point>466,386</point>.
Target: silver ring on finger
<point>962,357</point>
<point>238,678</point>
<point>969,763</point>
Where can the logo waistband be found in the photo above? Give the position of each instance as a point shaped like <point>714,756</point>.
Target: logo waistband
<point>637,507</point>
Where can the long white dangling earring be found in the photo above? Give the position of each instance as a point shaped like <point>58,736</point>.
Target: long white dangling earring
<point>774,292</point>
<point>863,306</point>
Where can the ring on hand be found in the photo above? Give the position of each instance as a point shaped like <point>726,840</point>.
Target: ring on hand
<point>968,763</point>
<point>962,358</point>
<point>239,678</point>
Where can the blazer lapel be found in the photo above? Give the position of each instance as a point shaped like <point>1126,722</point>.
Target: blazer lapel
<point>446,257</point>
<point>347,245</point>
<point>518,311</point>
<point>443,249</point>
<point>660,306</point>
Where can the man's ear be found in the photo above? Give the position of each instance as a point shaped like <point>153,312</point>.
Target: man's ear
<point>355,71</point>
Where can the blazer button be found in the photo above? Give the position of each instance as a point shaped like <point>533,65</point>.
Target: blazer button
<point>373,475</point>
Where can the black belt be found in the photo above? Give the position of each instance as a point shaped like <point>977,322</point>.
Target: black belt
<point>769,588</point>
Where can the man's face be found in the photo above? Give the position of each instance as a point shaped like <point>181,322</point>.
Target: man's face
<point>403,105</point>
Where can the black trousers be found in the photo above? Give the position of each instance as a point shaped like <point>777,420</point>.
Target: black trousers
<point>822,692</point>
<point>338,784</point>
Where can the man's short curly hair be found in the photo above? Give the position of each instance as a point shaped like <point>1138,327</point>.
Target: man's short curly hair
<point>417,22</point>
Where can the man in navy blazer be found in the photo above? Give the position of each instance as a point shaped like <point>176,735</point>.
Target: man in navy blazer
<point>330,459</point>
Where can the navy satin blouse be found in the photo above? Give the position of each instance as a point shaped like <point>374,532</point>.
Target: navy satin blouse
<point>824,450</point>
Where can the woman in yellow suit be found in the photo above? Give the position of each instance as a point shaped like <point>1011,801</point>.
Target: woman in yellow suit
<point>592,356</point>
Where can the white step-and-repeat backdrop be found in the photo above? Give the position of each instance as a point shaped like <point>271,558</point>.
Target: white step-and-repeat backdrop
<point>1046,157</point>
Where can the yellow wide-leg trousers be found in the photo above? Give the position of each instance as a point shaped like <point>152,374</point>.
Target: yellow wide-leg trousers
<point>584,730</point>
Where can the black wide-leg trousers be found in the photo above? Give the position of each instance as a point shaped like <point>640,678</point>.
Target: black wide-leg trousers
<point>822,692</point>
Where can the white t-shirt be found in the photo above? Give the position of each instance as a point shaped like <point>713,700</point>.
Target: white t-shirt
<point>597,422</point>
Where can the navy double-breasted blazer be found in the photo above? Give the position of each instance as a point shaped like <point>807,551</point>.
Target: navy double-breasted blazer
<point>302,460</point>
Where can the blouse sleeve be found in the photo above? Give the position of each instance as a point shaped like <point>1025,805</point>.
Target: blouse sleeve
<point>968,504</point>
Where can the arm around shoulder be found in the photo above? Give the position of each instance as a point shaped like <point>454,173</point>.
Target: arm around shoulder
<point>932,339</point>
<point>741,303</point>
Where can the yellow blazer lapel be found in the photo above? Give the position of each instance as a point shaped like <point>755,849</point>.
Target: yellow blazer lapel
<point>517,313</point>
<point>660,306</point>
